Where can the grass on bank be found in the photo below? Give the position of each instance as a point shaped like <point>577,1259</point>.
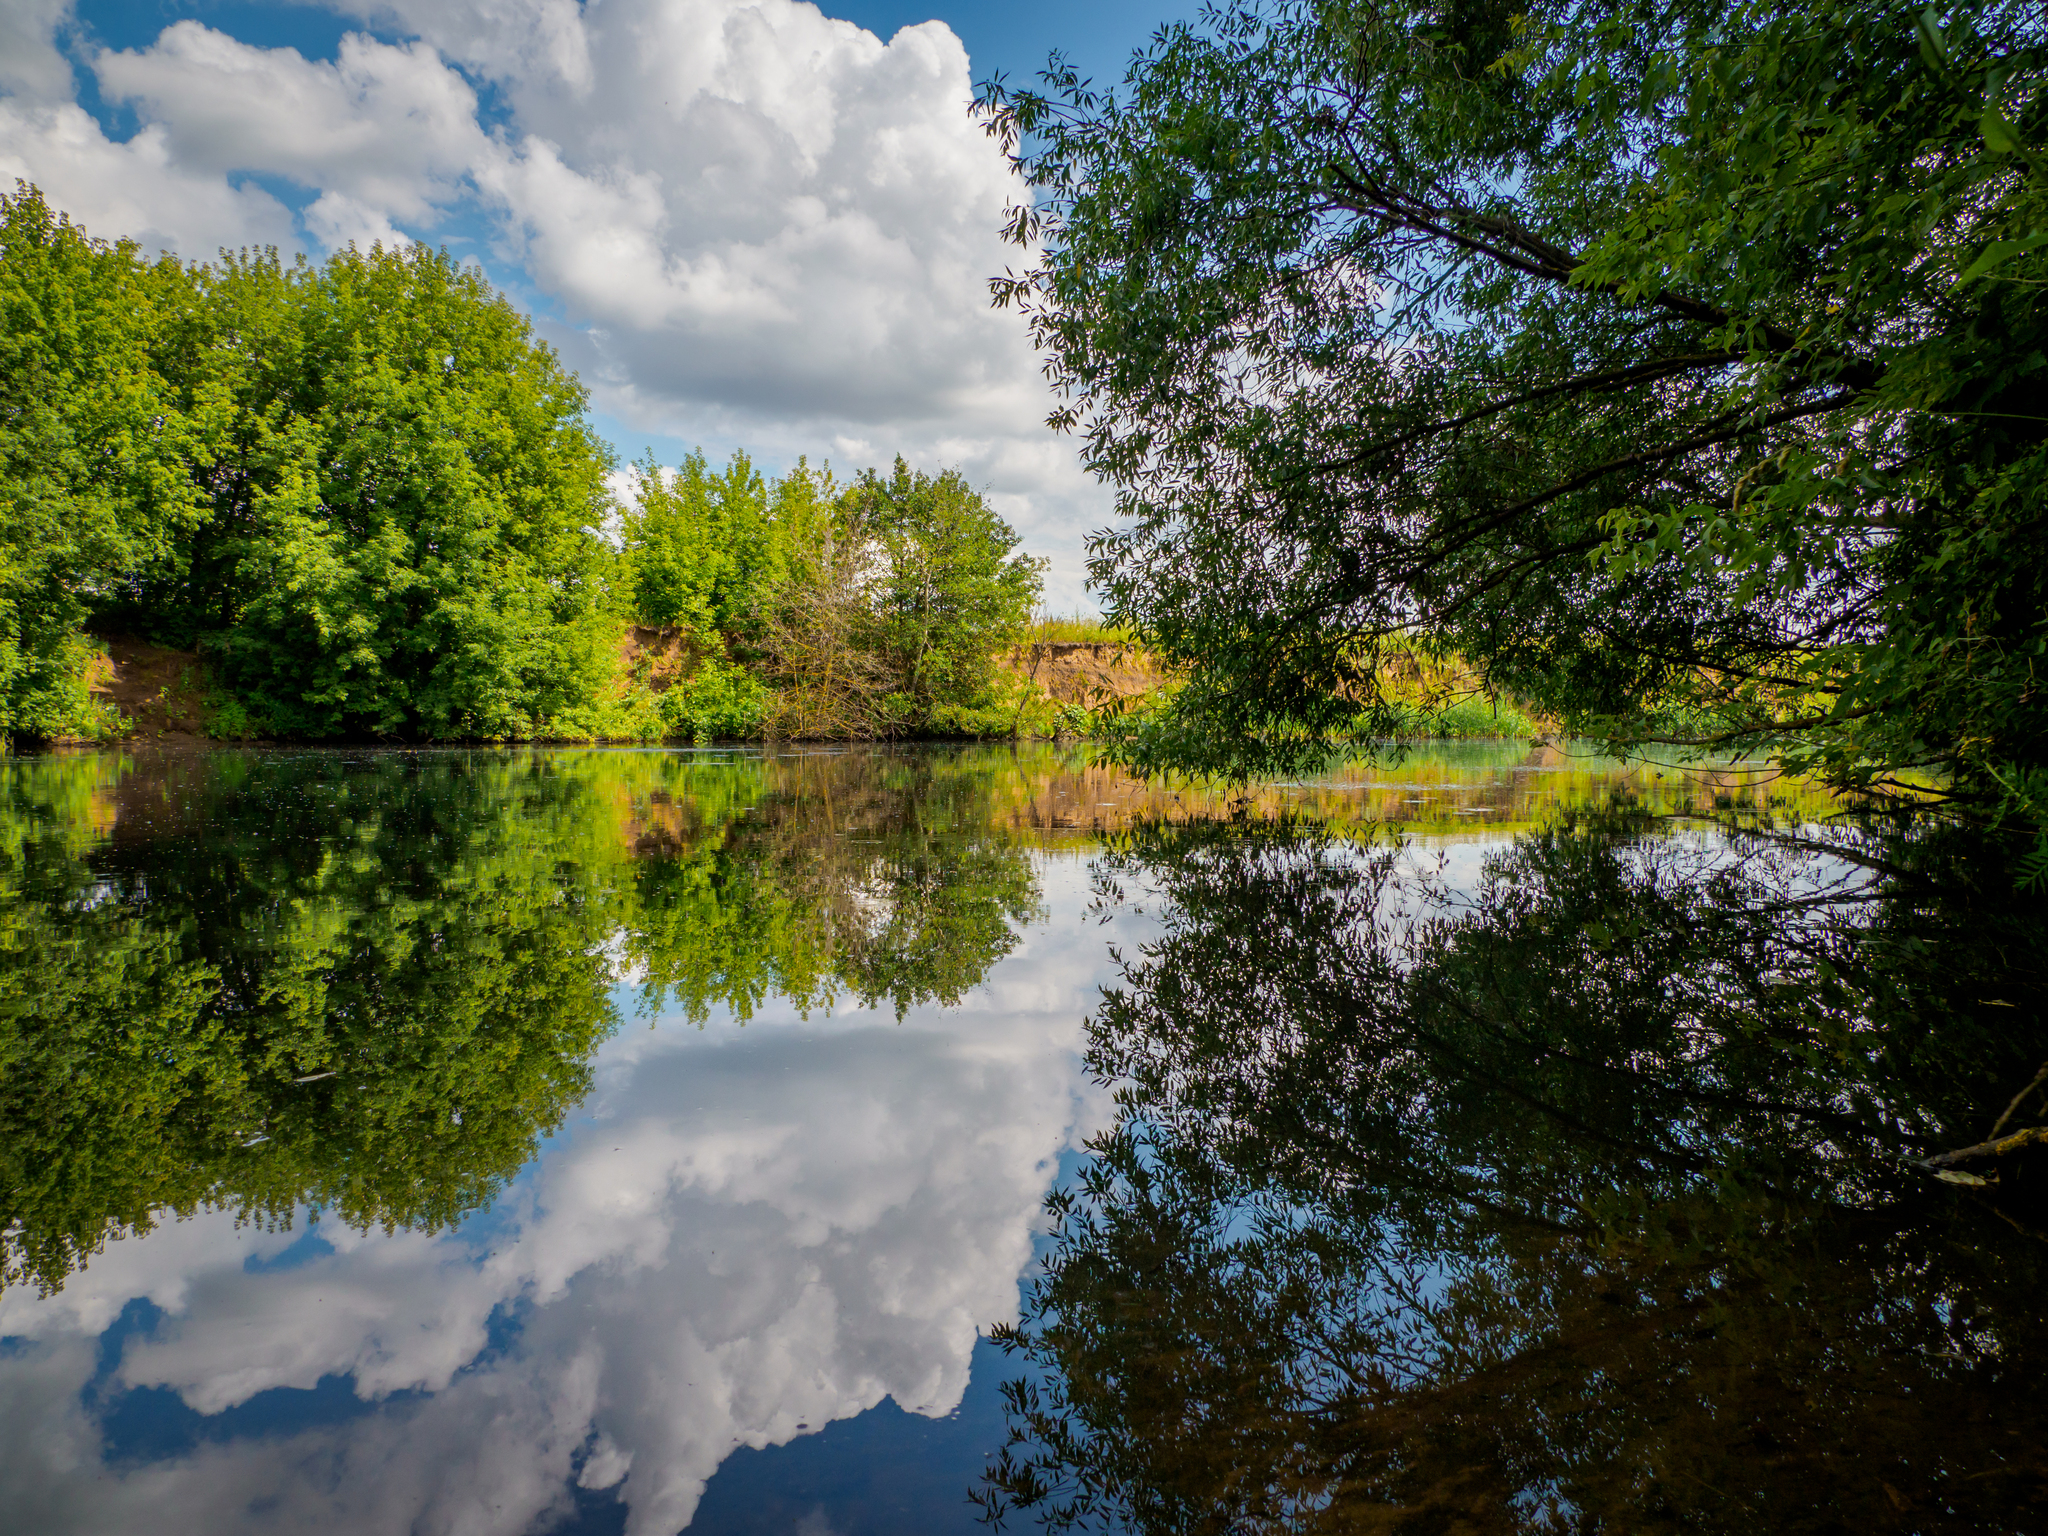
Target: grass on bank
<point>1076,628</point>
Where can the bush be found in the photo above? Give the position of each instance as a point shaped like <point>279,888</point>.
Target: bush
<point>722,701</point>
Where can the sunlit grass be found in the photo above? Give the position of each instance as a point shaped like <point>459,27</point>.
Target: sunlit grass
<point>1075,629</point>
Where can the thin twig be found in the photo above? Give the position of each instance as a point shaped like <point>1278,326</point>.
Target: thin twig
<point>2019,1098</point>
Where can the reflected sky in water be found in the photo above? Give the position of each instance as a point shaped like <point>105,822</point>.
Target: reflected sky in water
<point>747,1231</point>
<point>754,1257</point>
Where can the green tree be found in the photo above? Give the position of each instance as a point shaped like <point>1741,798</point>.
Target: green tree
<point>819,645</point>
<point>1674,363</point>
<point>403,502</point>
<point>702,546</point>
<point>949,592</point>
<point>94,446</point>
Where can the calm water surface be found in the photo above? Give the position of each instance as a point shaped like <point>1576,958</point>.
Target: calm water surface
<point>650,1141</point>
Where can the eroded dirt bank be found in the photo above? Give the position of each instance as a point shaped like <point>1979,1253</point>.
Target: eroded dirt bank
<point>1085,673</point>
<point>159,691</point>
<point>162,694</point>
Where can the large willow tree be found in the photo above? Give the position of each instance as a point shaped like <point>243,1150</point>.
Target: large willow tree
<point>1679,364</point>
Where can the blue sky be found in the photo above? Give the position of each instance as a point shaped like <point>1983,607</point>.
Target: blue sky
<point>1097,34</point>
<point>745,223</point>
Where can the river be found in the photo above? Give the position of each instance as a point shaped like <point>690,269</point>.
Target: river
<point>861,1141</point>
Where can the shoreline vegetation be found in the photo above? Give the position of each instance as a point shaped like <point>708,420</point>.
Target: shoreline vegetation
<point>266,500</point>
<point>1070,678</point>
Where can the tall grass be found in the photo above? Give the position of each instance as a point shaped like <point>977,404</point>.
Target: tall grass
<point>1075,629</point>
<point>1467,719</point>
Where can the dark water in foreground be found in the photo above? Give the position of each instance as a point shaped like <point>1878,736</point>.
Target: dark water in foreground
<point>647,1141</point>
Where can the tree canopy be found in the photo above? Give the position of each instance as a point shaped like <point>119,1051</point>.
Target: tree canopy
<point>1678,365</point>
<point>362,487</point>
<point>949,589</point>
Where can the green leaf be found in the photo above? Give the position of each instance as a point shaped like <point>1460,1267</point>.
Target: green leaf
<point>1998,252</point>
<point>1999,135</point>
<point>1932,50</point>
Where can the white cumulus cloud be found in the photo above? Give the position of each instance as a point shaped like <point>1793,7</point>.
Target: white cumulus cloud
<point>391,128</point>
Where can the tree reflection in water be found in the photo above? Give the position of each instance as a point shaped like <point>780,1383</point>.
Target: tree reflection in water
<point>1596,1198</point>
<point>371,982</point>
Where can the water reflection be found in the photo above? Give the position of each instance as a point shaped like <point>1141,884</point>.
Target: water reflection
<point>546,1126</point>
<point>370,984</point>
<point>523,1141</point>
<point>1606,1192</point>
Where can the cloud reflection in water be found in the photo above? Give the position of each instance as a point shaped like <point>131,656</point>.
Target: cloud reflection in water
<point>747,1229</point>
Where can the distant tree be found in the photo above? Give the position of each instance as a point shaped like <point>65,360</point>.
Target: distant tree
<point>820,641</point>
<point>703,548</point>
<point>949,591</point>
<point>898,596</point>
<point>1680,365</point>
<point>373,503</point>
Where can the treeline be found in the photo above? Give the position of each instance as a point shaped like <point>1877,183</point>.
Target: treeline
<point>372,503</point>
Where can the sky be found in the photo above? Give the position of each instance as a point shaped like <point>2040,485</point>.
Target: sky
<point>745,223</point>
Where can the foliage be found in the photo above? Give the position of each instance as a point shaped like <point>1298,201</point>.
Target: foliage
<point>92,449</point>
<point>948,592</point>
<point>372,501</point>
<point>828,676</point>
<point>403,502</point>
<point>1603,1194</point>
<point>1464,719</point>
<point>900,594</point>
<point>362,488</point>
<point>702,546</point>
<point>1666,360</point>
<point>719,701</point>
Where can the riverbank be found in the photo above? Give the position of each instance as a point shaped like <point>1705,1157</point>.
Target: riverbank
<point>145,694</point>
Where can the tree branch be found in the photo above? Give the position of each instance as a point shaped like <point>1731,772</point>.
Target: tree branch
<point>1649,456</point>
<point>1521,251</point>
<point>1638,373</point>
